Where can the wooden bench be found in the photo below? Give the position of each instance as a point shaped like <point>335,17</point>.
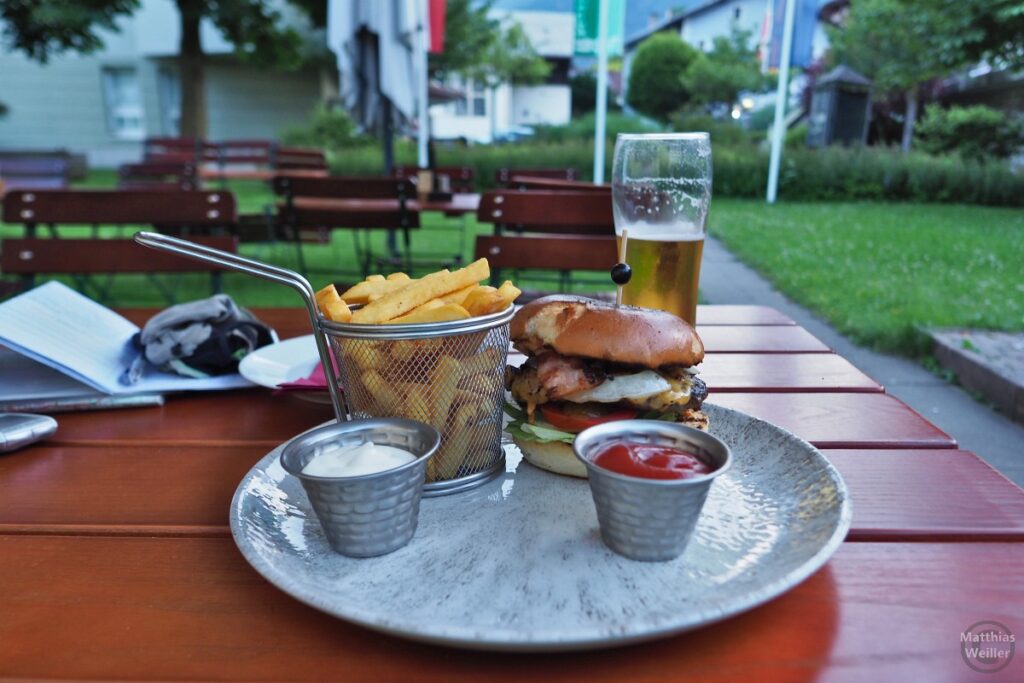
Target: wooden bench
<point>503,175</point>
<point>33,173</point>
<point>158,175</point>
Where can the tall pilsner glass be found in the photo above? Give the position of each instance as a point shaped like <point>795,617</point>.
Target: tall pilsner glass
<point>661,191</point>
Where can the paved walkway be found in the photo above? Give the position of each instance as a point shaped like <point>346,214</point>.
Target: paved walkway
<point>996,439</point>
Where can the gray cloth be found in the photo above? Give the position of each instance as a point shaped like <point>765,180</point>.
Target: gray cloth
<point>198,339</point>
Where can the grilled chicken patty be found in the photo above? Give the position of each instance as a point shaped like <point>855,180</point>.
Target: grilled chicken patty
<point>551,377</point>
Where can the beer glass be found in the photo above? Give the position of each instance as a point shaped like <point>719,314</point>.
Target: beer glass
<point>661,191</point>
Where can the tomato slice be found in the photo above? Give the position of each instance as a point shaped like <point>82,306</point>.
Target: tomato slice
<point>570,417</point>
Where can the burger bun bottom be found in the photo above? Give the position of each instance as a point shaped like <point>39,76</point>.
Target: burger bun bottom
<point>554,456</point>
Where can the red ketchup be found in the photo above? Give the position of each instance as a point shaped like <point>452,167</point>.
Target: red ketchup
<point>649,461</point>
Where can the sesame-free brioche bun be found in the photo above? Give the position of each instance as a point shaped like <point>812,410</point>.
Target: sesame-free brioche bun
<point>577,326</point>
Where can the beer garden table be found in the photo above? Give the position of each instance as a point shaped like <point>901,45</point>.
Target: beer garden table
<point>116,560</point>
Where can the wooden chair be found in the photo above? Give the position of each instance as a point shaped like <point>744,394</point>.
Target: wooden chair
<point>460,178</point>
<point>299,159</point>
<point>561,253</point>
<point>83,258</point>
<point>181,212</point>
<point>503,175</point>
<point>318,205</point>
<point>553,215</point>
<point>178,149</point>
<point>523,182</point>
<point>33,172</point>
<point>547,211</point>
<point>158,175</point>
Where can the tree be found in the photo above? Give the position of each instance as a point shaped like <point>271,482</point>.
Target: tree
<point>42,28</point>
<point>583,89</point>
<point>901,44</point>
<point>479,46</point>
<point>731,67</point>
<point>656,86</point>
<point>978,133</point>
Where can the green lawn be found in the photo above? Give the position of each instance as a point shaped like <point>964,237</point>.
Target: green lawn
<point>881,273</point>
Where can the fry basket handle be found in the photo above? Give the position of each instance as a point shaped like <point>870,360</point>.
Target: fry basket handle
<point>199,252</point>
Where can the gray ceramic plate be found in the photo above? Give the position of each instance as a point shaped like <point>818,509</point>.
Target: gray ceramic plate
<point>518,564</point>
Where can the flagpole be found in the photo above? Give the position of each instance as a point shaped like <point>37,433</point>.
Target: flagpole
<point>781,95</point>
<point>601,107</point>
<point>423,45</point>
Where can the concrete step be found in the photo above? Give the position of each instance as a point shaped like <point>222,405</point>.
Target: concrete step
<point>990,363</point>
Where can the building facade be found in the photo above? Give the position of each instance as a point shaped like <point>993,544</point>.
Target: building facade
<point>106,103</point>
<point>485,114</point>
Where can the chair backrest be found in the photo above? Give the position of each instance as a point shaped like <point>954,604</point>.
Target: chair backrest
<point>460,178</point>
<point>299,158</point>
<point>178,149</point>
<point>368,202</point>
<point>120,207</point>
<point>258,152</point>
<point>345,187</point>
<point>587,213</point>
<point>157,175</point>
<point>548,252</point>
<point>503,175</point>
<point>521,182</point>
<point>34,172</point>
<point>91,256</point>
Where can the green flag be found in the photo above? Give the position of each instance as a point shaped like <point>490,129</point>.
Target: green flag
<point>587,23</point>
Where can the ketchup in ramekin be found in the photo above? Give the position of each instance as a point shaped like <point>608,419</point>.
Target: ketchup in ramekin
<point>651,461</point>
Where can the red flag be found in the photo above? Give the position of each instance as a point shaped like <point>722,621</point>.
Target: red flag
<point>437,11</point>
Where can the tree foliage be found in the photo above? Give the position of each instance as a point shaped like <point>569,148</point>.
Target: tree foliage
<point>731,67</point>
<point>43,28</point>
<point>656,86</point>
<point>977,133</point>
<point>480,46</point>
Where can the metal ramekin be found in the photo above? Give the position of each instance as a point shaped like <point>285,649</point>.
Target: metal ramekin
<point>649,519</point>
<point>371,514</point>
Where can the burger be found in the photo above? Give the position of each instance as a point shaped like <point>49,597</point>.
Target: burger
<point>590,362</point>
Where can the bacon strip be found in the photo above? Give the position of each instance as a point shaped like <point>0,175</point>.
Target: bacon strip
<point>562,376</point>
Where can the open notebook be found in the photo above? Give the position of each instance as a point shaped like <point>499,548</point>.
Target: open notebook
<point>61,345</point>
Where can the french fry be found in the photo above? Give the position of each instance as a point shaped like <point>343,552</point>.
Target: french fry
<point>418,292</point>
<point>458,296</point>
<point>327,295</point>
<point>479,292</point>
<point>374,278</point>
<point>433,303</point>
<point>338,311</point>
<point>383,393</point>
<point>437,314</point>
<point>460,440</point>
<point>398,276</point>
<point>360,293</point>
<point>445,382</point>
<point>412,349</point>
<point>509,292</point>
<point>485,361</point>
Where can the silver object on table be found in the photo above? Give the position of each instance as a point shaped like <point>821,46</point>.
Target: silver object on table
<point>18,430</point>
<point>470,453</point>
<point>649,519</point>
<point>372,514</point>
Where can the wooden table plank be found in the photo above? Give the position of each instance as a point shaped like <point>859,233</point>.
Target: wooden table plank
<point>218,418</point>
<point>947,495</point>
<point>841,420</point>
<point>144,608</point>
<point>783,372</point>
<point>186,490</point>
<point>721,314</point>
<point>759,339</point>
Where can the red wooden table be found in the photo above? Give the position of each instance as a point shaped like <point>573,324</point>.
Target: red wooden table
<point>116,559</point>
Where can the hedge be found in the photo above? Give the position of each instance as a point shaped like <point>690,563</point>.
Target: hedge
<point>832,174</point>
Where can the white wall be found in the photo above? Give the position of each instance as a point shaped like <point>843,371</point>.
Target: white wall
<point>548,104</point>
<point>701,29</point>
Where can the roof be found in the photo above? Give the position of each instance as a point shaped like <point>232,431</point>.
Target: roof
<point>843,74</point>
<point>674,22</point>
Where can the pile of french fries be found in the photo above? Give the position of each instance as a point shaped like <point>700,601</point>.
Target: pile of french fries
<point>453,383</point>
<point>398,299</point>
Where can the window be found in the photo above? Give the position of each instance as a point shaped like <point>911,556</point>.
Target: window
<point>736,13</point>
<point>475,101</point>
<point>123,100</point>
<point>169,92</point>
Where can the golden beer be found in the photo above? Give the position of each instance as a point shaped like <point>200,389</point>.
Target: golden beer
<point>665,275</point>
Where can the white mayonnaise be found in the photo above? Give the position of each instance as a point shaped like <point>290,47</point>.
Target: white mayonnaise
<point>352,461</point>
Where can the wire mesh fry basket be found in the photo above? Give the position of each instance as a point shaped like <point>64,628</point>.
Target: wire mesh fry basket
<point>446,374</point>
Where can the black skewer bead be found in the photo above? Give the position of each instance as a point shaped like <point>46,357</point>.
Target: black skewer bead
<point>621,273</point>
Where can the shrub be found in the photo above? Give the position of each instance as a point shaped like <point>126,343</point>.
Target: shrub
<point>831,174</point>
<point>327,128</point>
<point>977,133</point>
<point>655,79</point>
<point>722,133</point>
<point>582,128</point>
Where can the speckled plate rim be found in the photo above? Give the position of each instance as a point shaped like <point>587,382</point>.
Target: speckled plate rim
<point>466,638</point>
